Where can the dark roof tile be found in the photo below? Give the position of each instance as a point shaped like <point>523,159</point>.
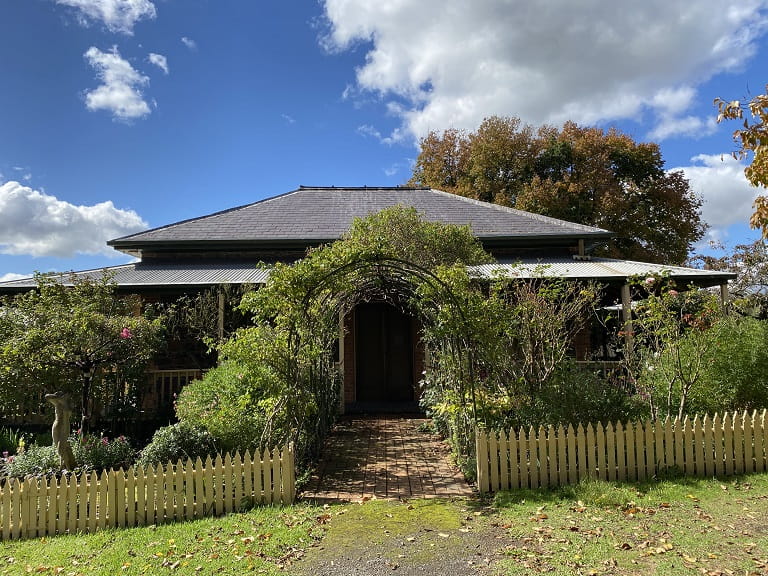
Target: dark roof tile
<point>319,214</point>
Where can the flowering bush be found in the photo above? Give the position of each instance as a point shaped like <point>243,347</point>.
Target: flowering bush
<point>101,453</point>
<point>34,461</point>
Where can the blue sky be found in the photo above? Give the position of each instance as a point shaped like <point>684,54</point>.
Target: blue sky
<point>118,115</point>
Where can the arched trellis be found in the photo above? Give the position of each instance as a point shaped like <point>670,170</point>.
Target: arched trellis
<point>373,277</point>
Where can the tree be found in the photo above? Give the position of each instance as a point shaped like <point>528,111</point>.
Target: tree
<point>752,138</point>
<point>583,175</point>
<point>83,339</point>
<point>749,290</point>
<point>675,336</point>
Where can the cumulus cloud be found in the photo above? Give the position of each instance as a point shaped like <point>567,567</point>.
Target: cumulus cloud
<point>450,63</point>
<point>727,195</point>
<point>116,15</point>
<point>189,43</point>
<point>158,60</point>
<point>11,276</point>
<point>37,224</point>
<point>120,91</point>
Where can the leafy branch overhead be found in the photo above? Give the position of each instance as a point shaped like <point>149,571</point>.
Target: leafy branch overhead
<point>751,138</point>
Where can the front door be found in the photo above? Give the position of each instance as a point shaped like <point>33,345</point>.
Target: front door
<point>384,355</point>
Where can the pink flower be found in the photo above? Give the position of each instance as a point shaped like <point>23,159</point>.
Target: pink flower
<point>673,292</point>
<point>650,280</point>
<point>126,333</point>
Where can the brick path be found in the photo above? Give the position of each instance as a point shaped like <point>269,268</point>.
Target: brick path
<point>384,457</point>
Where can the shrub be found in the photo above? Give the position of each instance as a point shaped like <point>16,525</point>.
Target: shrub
<point>575,394</point>
<point>101,453</point>
<point>580,394</point>
<point>34,461</point>
<point>235,403</point>
<point>734,368</point>
<point>177,442</point>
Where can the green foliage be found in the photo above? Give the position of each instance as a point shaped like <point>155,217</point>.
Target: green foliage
<point>399,232</point>
<point>81,338</point>
<point>101,453</point>
<point>575,394</point>
<point>519,334</point>
<point>242,405</point>
<point>10,439</point>
<point>290,349</point>
<point>34,461</point>
<point>192,321</point>
<point>672,336</point>
<point>733,360</point>
<point>177,442</point>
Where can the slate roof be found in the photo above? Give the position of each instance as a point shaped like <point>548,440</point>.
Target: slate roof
<point>324,214</point>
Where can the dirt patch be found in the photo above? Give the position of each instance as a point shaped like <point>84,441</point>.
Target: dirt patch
<point>435,536</point>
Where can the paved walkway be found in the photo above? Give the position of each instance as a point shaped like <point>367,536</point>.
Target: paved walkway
<point>384,457</point>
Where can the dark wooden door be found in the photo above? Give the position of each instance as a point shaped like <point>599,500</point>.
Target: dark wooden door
<point>384,361</point>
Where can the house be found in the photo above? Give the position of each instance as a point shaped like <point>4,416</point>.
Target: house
<point>380,356</point>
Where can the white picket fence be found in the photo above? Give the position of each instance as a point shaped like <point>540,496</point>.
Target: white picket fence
<point>37,507</point>
<point>554,456</point>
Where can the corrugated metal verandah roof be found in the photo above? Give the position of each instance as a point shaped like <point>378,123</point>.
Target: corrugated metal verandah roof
<point>596,269</point>
<point>139,275</point>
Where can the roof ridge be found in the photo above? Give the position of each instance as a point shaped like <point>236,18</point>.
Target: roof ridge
<point>302,188</point>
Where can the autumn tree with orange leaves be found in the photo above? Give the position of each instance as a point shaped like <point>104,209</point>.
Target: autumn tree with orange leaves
<point>752,140</point>
<point>584,175</point>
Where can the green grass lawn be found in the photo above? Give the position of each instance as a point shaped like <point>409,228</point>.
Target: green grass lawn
<point>680,526</point>
<point>677,526</point>
<point>262,541</point>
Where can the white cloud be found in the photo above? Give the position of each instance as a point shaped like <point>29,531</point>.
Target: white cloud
<point>11,276</point>
<point>396,136</point>
<point>288,118</point>
<point>450,63</point>
<point>189,43</point>
<point>37,224</point>
<point>158,60</point>
<point>727,195</point>
<point>120,91</point>
<point>116,15</point>
<point>670,105</point>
